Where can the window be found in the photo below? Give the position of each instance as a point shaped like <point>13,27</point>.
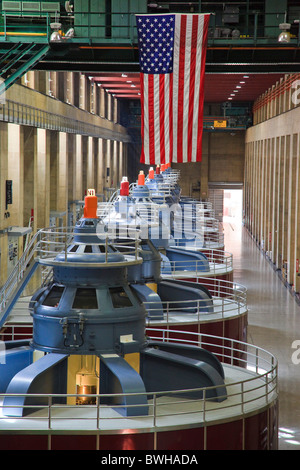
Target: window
<point>88,223</point>
<point>85,298</point>
<point>54,296</point>
<point>119,297</point>
<point>74,249</point>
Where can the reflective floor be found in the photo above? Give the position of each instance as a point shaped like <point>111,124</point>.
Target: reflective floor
<point>274,324</point>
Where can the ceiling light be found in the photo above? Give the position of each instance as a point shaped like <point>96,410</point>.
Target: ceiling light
<point>230,98</point>
<point>245,76</point>
<point>124,75</point>
<point>242,82</point>
<point>285,35</point>
<point>238,86</point>
<point>232,94</point>
<point>128,81</point>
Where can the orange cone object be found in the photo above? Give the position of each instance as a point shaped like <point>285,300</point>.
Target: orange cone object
<point>90,205</point>
<point>124,189</point>
<point>151,173</point>
<point>141,178</point>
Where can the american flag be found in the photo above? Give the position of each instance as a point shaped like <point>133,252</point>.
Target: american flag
<point>172,50</point>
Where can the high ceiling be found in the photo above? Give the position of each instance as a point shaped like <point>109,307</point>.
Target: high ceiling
<point>218,87</point>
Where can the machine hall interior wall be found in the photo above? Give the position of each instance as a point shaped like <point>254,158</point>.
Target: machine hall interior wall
<point>51,169</point>
<point>271,192</point>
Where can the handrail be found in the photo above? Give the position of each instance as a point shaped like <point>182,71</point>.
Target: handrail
<point>56,240</point>
<point>113,26</point>
<point>18,271</point>
<point>19,113</point>
<point>47,243</point>
<point>197,310</point>
<point>252,391</point>
<point>218,260</point>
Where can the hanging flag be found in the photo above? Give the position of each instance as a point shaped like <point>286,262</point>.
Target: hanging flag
<point>172,51</point>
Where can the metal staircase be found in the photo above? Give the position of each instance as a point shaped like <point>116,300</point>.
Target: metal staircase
<point>19,278</point>
<point>19,59</point>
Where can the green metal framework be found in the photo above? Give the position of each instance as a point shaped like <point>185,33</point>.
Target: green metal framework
<point>243,36</point>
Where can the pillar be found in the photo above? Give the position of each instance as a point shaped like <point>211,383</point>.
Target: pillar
<point>4,223</point>
<point>292,195</point>
<point>41,180</point>
<point>90,163</point>
<point>78,168</point>
<point>205,166</point>
<point>71,180</point>
<point>121,160</point>
<point>15,172</point>
<point>59,178</point>
<point>101,167</point>
<point>115,158</point>
<point>29,146</point>
<point>108,164</point>
<point>62,176</point>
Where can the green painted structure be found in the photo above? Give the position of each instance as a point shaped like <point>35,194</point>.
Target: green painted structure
<point>100,35</point>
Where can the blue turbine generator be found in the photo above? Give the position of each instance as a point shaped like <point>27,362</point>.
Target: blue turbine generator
<point>89,334</point>
<point>137,212</point>
<point>160,227</point>
<point>186,227</point>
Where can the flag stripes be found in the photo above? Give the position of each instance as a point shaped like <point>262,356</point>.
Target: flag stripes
<point>172,59</point>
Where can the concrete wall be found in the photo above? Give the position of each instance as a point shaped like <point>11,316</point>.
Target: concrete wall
<point>223,156</point>
<point>271,193</point>
<point>51,169</point>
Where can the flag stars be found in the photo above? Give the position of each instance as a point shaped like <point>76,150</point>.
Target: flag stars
<point>155,34</point>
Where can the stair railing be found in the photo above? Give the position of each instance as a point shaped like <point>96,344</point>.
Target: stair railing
<point>17,273</point>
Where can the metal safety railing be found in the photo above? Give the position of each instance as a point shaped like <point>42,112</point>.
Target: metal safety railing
<point>255,388</point>
<point>200,240</point>
<point>244,23</point>
<point>47,243</point>
<point>218,262</point>
<point>24,114</point>
<point>56,241</point>
<point>17,273</point>
<point>227,299</point>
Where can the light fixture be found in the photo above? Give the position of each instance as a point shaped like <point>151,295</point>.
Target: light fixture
<point>285,35</point>
<point>238,86</point>
<point>245,76</point>
<point>55,36</point>
<point>70,33</point>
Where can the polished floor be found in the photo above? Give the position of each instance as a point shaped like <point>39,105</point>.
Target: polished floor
<point>273,324</point>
